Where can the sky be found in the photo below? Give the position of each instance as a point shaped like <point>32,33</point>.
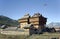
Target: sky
<point>16,9</point>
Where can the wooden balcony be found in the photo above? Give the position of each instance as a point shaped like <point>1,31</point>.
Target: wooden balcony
<point>34,19</point>
<point>34,23</point>
<point>23,20</point>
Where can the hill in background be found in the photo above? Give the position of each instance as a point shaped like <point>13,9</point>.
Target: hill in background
<point>54,24</point>
<point>8,21</point>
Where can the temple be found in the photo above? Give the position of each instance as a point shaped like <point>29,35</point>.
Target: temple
<point>37,21</point>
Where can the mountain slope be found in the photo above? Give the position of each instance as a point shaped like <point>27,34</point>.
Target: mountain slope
<point>8,21</point>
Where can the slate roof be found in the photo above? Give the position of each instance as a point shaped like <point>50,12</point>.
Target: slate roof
<point>26,16</point>
<point>36,15</point>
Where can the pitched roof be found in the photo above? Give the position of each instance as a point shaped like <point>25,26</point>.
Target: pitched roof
<point>36,15</point>
<point>26,16</point>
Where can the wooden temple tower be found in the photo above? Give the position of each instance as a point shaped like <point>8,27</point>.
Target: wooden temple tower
<point>38,21</point>
<point>24,21</point>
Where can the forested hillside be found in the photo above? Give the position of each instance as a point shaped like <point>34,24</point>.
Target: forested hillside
<point>8,21</point>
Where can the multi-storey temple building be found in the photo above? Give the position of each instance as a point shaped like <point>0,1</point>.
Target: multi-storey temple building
<point>37,20</point>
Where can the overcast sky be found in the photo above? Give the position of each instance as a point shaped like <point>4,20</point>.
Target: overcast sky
<point>16,9</point>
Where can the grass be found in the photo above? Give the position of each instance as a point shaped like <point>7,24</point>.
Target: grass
<point>41,36</point>
<point>45,36</point>
<point>12,36</point>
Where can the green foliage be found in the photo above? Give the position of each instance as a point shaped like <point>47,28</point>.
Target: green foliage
<point>8,21</point>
